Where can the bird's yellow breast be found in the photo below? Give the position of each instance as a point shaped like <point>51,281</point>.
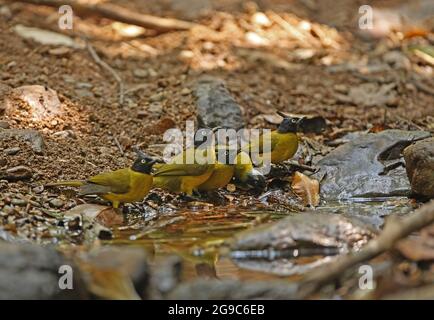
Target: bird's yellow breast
<point>220,177</point>
<point>139,186</point>
<point>283,146</point>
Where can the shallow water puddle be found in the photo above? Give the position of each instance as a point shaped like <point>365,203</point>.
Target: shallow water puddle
<point>199,235</point>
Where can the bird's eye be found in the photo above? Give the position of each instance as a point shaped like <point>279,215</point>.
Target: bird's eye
<point>293,120</point>
<point>143,161</point>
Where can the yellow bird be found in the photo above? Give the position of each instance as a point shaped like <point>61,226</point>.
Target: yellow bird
<point>283,141</point>
<point>222,173</point>
<point>246,174</point>
<point>180,176</point>
<point>119,186</point>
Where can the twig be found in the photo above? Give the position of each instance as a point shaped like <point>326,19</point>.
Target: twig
<point>293,31</point>
<point>118,145</point>
<point>105,66</point>
<point>422,87</point>
<point>293,163</point>
<point>394,230</point>
<point>117,13</point>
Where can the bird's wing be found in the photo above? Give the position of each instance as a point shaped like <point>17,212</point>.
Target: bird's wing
<point>117,181</point>
<point>259,144</point>
<point>182,170</point>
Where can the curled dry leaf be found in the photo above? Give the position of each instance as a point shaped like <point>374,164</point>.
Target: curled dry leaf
<point>306,188</point>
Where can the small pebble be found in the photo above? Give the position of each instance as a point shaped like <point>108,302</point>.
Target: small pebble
<point>185,91</point>
<point>141,73</point>
<point>19,202</point>
<point>59,52</point>
<point>8,209</point>
<point>4,125</point>
<point>56,203</point>
<point>341,88</point>
<point>84,85</point>
<point>38,189</point>
<point>157,97</point>
<point>65,134</point>
<point>155,108</point>
<point>12,151</point>
<point>142,114</point>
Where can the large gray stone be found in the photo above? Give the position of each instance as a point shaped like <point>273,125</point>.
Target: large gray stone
<point>370,165</point>
<point>32,272</point>
<point>216,106</point>
<point>283,246</point>
<point>419,159</point>
<point>33,137</point>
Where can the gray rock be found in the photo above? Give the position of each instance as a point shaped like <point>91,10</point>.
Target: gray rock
<point>56,203</point>
<point>419,159</point>
<point>16,173</point>
<point>19,202</point>
<point>165,276</point>
<point>277,247</point>
<point>141,73</point>
<point>369,165</point>
<point>31,136</point>
<point>216,106</point>
<point>4,124</point>
<point>32,272</point>
<point>12,151</point>
<point>205,289</point>
<point>307,229</point>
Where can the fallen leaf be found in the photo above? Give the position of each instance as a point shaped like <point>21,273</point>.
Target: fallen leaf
<point>112,284</point>
<point>107,216</point>
<point>45,36</point>
<point>127,30</point>
<point>306,188</point>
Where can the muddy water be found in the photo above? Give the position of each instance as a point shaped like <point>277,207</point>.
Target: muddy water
<point>198,235</point>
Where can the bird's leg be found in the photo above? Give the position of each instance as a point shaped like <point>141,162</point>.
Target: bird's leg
<point>115,204</point>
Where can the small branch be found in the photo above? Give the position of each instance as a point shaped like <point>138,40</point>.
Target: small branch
<point>422,87</point>
<point>394,230</point>
<point>117,13</point>
<point>105,66</point>
<point>121,150</point>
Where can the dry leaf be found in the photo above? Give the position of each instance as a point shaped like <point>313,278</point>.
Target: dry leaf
<point>45,36</point>
<point>306,188</point>
<point>109,283</point>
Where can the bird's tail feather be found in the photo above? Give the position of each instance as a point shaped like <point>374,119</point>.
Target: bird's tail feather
<point>69,183</point>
